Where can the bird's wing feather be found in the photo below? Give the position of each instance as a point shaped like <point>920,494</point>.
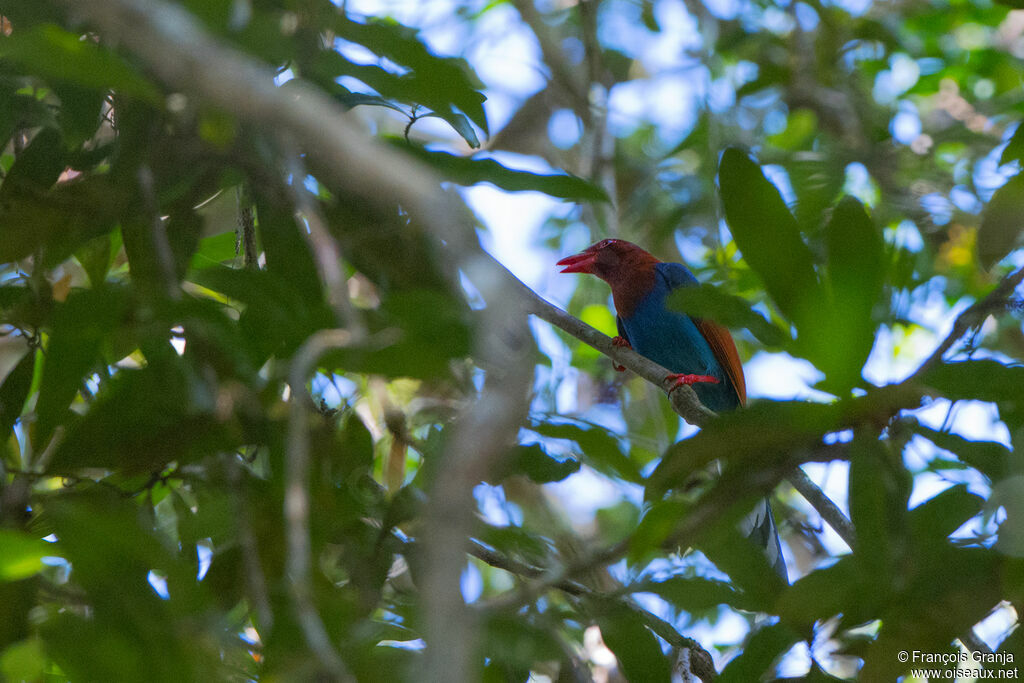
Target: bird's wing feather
<point>724,348</point>
<point>717,337</point>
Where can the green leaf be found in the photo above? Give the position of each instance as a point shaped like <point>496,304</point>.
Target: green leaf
<point>938,517</point>
<point>534,462</point>
<point>800,128</point>
<point>409,88</point>
<point>824,593</point>
<point>215,250</point>
<point>707,301</point>
<point>691,594</point>
<point>14,391</point>
<point>856,274</point>
<point>1014,150</point>
<point>635,646</point>
<point>80,111</point>
<point>80,325</point>
<point>740,557</point>
<point>655,527</point>
<point>448,79</point>
<point>467,171</point>
<point>54,53</point>
<point>991,458</point>
<point>878,500</point>
<point>745,436</point>
<point>979,380</point>
<point>767,235</point>
<point>37,168</point>
<point>23,661</point>
<point>759,653</point>
<point>515,641</point>
<point>144,419</point>
<point>21,555</point>
<point>597,447</point>
<point>1001,223</point>
<point>60,220</point>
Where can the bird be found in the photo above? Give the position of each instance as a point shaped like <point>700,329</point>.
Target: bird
<point>698,352</point>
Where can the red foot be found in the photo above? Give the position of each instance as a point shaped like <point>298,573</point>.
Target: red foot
<point>679,380</point>
<point>621,342</point>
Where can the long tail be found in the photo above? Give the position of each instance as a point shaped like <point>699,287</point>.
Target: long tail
<point>759,526</point>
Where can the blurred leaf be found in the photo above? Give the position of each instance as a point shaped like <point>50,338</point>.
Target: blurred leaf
<point>1012,4</point>
<point>938,517</point>
<point>769,238</point>
<point>130,629</point>
<point>877,507</point>
<point>37,168</point>
<point>80,325</point>
<point>741,558</point>
<point>80,111</point>
<point>991,458</point>
<point>980,380</point>
<point>745,436</point>
<point>597,447</point>
<point>824,593</point>
<point>692,594</point>
<point>61,219</point>
<point>514,641</point>
<point>144,419</point>
<point>14,391</point>
<point>410,88</point>
<point>697,137</point>
<point>467,171</point>
<point>24,661</point>
<point>534,462</point>
<point>656,525</point>
<point>759,653</point>
<point>96,256</point>
<point>1001,224</point>
<point>21,554</point>
<point>817,180</point>
<point>634,645</point>
<point>856,274</point>
<point>617,521</point>
<point>55,53</point>
<point>215,250</point>
<point>1014,150</point>
<point>446,79</point>
<point>353,99</point>
<point>707,301</point>
<point>430,329</point>
<point>800,127</point>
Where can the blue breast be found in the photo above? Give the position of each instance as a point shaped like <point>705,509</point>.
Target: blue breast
<point>672,339</point>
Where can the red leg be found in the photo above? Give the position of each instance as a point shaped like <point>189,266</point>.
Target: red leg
<point>681,379</point>
<point>621,342</point>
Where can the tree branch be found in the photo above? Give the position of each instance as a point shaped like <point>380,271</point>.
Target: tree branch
<point>972,317</point>
<point>484,432</point>
<point>296,500</point>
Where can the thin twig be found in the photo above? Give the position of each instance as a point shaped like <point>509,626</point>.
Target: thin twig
<point>704,667</point>
<point>972,317</point>
<point>828,510</point>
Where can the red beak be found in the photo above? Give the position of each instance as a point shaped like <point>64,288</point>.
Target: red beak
<point>582,262</point>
